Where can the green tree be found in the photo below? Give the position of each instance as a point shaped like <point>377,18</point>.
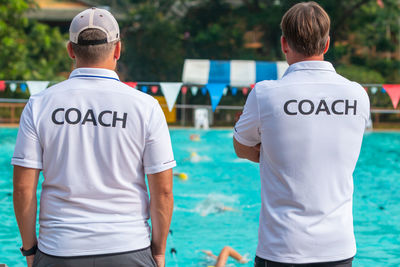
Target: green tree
<point>152,44</point>
<point>28,49</point>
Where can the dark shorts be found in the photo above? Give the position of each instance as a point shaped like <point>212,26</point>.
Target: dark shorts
<point>258,262</point>
<point>137,258</point>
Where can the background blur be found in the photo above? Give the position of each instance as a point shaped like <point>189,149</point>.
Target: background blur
<point>158,35</point>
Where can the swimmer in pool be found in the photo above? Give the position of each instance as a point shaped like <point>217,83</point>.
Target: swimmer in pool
<point>223,256</point>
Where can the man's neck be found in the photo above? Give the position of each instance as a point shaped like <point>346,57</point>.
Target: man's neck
<point>103,65</point>
<point>298,58</point>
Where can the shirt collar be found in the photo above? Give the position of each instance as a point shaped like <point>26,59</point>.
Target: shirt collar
<point>94,73</point>
<point>310,65</point>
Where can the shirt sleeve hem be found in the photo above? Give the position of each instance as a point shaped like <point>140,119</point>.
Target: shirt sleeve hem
<point>159,168</point>
<point>27,163</point>
<point>243,141</point>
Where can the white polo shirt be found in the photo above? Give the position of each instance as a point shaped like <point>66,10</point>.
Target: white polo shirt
<point>95,138</point>
<point>310,125</point>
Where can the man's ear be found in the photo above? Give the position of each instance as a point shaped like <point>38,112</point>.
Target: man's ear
<point>70,51</point>
<point>117,51</point>
<point>327,45</point>
<point>284,45</point>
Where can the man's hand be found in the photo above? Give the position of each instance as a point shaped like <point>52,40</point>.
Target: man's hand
<point>160,260</point>
<point>29,260</point>
<point>247,152</point>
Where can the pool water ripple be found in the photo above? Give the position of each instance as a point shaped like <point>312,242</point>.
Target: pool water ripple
<point>218,179</point>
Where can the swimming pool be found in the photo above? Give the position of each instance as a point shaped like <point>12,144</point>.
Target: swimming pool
<point>217,178</point>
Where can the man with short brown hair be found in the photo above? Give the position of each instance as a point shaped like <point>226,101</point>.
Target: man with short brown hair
<point>306,131</point>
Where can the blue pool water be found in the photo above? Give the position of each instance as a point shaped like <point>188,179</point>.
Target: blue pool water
<point>217,178</point>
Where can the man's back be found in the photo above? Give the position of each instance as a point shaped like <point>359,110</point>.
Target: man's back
<point>311,124</point>
<point>97,136</point>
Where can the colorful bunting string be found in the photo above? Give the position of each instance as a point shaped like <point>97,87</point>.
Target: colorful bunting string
<point>35,87</point>
<point>22,86</point>
<point>225,92</point>
<point>171,92</point>
<point>234,90</point>
<point>393,91</point>
<point>2,85</point>
<point>184,90</point>
<point>154,89</point>
<point>13,87</point>
<point>144,88</point>
<point>245,90</point>
<point>216,90</point>
<point>194,90</point>
<point>374,90</point>
<point>203,91</point>
<point>131,84</point>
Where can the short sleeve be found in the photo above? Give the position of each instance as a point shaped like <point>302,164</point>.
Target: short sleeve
<point>247,129</point>
<point>158,154</point>
<point>28,150</point>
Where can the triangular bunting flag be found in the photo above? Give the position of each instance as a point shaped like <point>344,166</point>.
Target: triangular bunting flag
<point>234,90</point>
<point>194,90</point>
<point>184,90</point>
<point>216,90</point>
<point>171,92</point>
<point>131,84</point>
<point>144,88</point>
<point>154,89</point>
<point>393,91</point>
<point>36,87</point>
<point>374,90</point>
<point>13,87</point>
<point>225,92</point>
<point>2,85</point>
<point>203,91</point>
<point>245,90</point>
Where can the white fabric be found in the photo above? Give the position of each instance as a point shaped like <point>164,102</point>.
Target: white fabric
<point>36,87</point>
<point>94,197</point>
<point>243,72</point>
<point>196,71</point>
<point>170,92</point>
<point>306,161</point>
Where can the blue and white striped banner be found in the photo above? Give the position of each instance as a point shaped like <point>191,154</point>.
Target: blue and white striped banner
<point>233,72</point>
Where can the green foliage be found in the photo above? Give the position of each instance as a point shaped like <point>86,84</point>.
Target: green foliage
<point>29,50</point>
<point>360,74</point>
<point>152,46</point>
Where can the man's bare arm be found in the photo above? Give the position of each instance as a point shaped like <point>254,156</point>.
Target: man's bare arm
<point>161,207</point>
<point>25,182</point>
<point>247,152</point>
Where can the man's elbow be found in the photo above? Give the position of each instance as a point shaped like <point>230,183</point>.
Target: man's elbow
<point>238,150</point>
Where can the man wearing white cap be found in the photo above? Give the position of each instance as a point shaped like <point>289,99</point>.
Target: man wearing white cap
<point>94,138</point>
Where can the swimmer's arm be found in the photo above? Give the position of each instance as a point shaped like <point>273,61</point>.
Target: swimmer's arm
<point>25,181</point>
<point>247,152</point>
<point>161,206</point>
<point>209,253</point>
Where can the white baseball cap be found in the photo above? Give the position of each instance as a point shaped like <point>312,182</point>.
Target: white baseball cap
<point>94,18</point>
